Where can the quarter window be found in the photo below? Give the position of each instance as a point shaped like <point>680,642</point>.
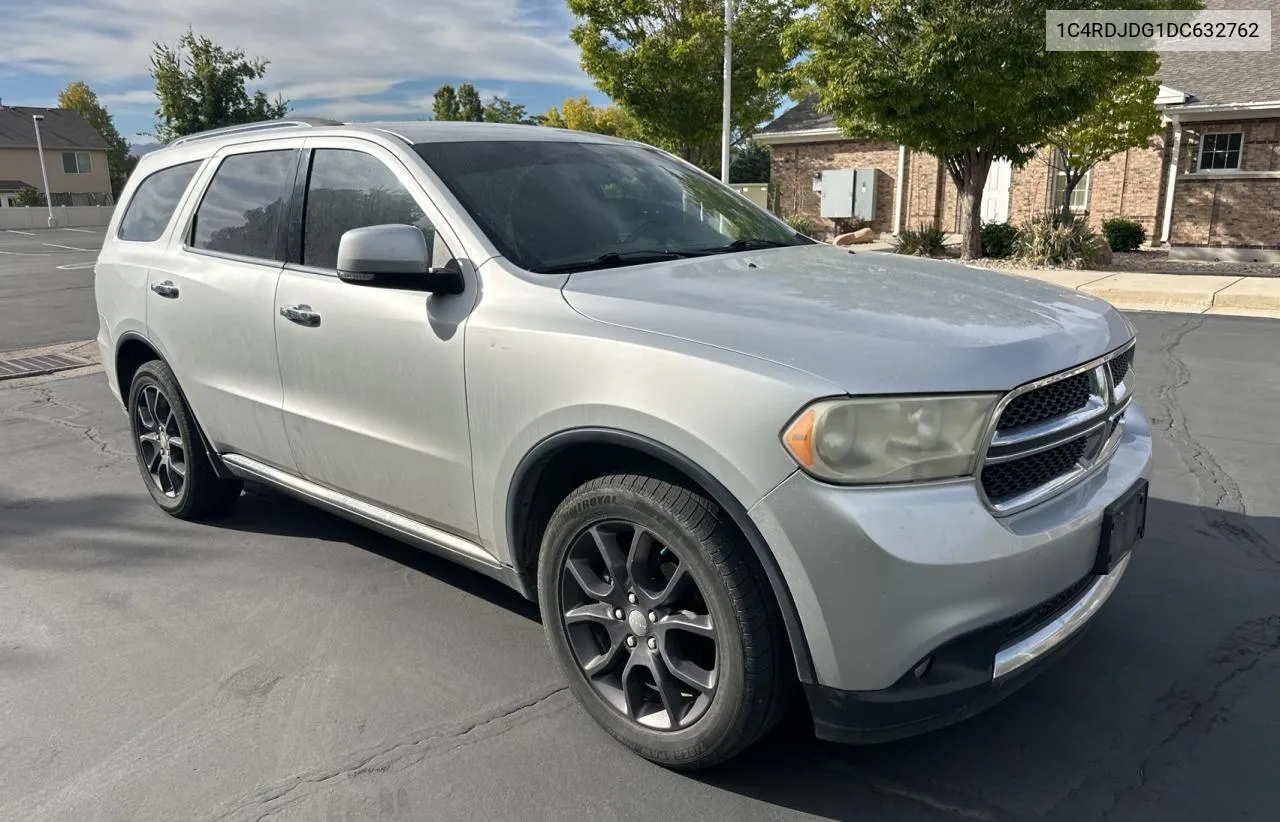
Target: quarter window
<point>77,162</point>
<point>243,206</point>
<point>152,205</point>
<point>1221,152</point>
<point>350,189</point>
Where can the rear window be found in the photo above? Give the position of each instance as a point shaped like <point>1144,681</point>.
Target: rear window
<point>242,208</point>
<point>152,206</point>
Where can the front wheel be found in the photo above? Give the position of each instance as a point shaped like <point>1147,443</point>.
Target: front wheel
<point>661,620</point>
<point>171,455</point>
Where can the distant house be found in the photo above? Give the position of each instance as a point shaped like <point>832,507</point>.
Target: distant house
<point>1207,187</point>
<point>75,156</point>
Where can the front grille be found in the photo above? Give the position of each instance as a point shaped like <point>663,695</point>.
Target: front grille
<point>1049,436</point>
<point>1120,367</point>
<point>1005,480</point>
<point>1056,399</point>
<point>1033,619</point>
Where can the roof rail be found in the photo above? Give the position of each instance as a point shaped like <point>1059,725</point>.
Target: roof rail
<point>292,122</point>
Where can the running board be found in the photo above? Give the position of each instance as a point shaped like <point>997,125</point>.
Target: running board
<point>397,526</point>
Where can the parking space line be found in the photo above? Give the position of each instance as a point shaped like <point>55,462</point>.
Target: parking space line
<point>81,230</point>
<point>15,231</point>
<point>68,247</point>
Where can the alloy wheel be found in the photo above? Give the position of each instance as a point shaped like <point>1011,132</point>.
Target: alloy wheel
<point>639,625</point>
<point>160,442</point>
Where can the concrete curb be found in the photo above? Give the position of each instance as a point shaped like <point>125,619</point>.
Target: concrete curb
<point>1177,293</point>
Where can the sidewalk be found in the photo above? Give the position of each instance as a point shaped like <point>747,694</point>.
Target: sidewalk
<point>1179,293</point>
<point>1137,291</point>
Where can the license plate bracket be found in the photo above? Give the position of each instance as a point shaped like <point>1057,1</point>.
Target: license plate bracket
<point>1124,523</point>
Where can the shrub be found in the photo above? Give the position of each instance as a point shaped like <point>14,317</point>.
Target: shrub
<point>846,225</point>
<point>1048,241</point>
<point>997,239</point>
<point>922,242</point>
<point>1124,235</point>
<point>803,225</point>
<point>31,198</point>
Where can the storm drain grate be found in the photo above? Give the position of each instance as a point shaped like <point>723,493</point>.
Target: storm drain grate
<point>38,365</point>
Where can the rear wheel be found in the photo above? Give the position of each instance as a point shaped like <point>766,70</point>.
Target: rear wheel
<point>171,455</point>
<point>661,621</point>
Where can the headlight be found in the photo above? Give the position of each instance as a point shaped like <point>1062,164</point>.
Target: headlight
<point>889,439</point>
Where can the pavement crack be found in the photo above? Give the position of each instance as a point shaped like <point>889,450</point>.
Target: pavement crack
<point>46,398</point>
<point>1227,513</point>
<point>1239,653</point>
<point>396,755</point>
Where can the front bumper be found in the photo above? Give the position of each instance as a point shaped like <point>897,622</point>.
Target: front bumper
<point>886,580</point>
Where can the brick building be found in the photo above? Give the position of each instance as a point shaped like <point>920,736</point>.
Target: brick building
<point>1208,186</point>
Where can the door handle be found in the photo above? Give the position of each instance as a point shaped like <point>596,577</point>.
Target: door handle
<point>300,314</point>
<point>166,289</point>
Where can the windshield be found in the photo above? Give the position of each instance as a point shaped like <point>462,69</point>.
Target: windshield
<point>561,205</point>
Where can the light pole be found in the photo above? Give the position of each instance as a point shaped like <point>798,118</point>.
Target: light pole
<point>48,200</point>
<point>728,82</point>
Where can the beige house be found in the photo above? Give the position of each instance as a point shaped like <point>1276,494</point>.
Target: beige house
<point>1207,186</point>
<point>75,157</point>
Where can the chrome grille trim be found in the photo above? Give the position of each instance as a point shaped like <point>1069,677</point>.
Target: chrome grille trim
<point>1100,422</point>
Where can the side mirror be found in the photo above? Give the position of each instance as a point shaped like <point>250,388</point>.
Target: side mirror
<point>393,256</point>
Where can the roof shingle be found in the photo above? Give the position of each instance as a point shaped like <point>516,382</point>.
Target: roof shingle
<point>61,128</point>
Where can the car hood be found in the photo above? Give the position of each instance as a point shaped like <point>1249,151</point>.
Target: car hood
<point>867,322</point>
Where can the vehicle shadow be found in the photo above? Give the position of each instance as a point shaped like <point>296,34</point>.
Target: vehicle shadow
<point>1130,705</point>
<point>262,510</point>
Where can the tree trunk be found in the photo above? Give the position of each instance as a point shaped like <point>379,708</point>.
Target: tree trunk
<point>1064,210</point>
<point>969,173</point>
<point>971,221</point>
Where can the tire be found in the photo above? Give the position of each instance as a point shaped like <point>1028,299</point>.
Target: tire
<point>171,454</point>
<point>661,538</point>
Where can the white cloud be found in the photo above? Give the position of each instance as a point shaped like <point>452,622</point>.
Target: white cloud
<point>143,97</point>
<point>319,49</point>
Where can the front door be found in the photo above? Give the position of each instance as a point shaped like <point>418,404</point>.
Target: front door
<point>995,195</point>
<point>210,302</point>
<point>374,400</point>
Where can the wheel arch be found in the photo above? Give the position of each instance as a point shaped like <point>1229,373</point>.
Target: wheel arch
<point>549,471</point>
<point>132,352</point>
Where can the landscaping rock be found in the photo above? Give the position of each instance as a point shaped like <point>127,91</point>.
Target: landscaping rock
<point>862,235</point>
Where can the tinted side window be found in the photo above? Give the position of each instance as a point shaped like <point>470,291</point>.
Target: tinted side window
<point>351,189</point>
<point>153,203</point>
<point>242,209</point>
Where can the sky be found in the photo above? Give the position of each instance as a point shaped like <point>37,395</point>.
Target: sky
<point>345,59</point>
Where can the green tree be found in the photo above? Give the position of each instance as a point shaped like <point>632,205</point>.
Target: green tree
<point>502,110</point>
<point>751,163</point>
<point>968,82</point>
<point>444,104</point>
<point>656,58</point>
<point>469,105</point>
<point>580,115</point>
<point>28,196</point>
<point>79,97</point>
<point>1124,119</point>
<point>201,85</point>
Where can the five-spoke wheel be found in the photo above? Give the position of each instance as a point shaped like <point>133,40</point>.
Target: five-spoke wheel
<point>639,625</point>
<point>662,620</point>
<point>171,455</point>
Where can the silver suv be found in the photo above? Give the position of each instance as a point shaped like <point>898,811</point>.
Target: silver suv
<point>728,461</point>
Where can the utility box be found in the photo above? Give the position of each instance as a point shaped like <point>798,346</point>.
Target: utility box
<point>866,183</point>
<point>837,193</point>
<point>848,192</point>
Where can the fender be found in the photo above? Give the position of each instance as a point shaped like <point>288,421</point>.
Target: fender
<point>709,484</point>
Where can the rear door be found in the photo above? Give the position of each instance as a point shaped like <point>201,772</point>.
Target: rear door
<point>374,398</point>
<point>212,300</point>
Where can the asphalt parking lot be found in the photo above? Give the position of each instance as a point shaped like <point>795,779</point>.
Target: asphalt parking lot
<point>283,664</point>
<point>46,286</point>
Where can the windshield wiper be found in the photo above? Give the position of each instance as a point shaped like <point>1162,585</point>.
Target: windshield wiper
<point>613,259</point>
<point>744,244</point>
